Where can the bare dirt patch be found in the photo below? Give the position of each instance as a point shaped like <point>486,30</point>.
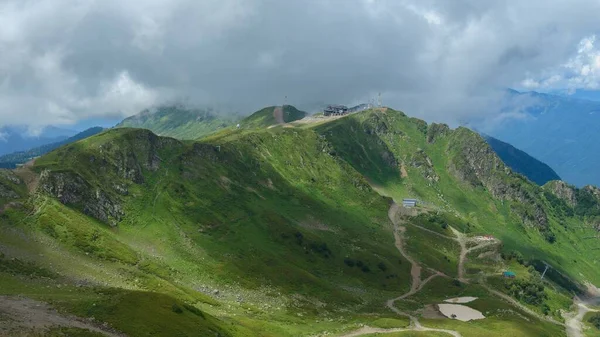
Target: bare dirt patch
<point>403,173</point>
<point>21,316</point>
<point>431,312</point>
<point>460,312</point>
<point>278,115</point>
<point>29,177</point>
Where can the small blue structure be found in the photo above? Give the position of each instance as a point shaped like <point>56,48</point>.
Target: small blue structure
<point>409,203</point>
<point>509,274</point>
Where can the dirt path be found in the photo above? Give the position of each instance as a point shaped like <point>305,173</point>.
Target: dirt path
<point>29,177</point>
<point>574,321</point>
<point>416,285</point>
<point>573,326</point>
<point>23,317</point>
<point>278,115</point>
<point>462,240</point>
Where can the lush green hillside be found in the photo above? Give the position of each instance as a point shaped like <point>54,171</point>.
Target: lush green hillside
<point>178,121</point>
<point>13,159</point>
<point>273,115</point>
<point>291,231</point>
<point>523,163</point>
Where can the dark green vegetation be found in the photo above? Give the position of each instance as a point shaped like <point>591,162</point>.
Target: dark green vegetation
<point>595,320</point>
<point>280,231</point>
<point>521,162</point>
<point>13,159</point>
<point>179,121</point>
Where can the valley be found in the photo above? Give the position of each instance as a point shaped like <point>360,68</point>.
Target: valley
<point>293,228</point>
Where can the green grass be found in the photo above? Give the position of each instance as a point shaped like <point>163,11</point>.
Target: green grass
<point>179,122</point>
<point>265,117</point>
<point>283,223</point>
<point>433,251</point>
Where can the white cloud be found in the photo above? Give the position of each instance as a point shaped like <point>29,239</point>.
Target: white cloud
<point>580,71</point>
<point>65,60</point>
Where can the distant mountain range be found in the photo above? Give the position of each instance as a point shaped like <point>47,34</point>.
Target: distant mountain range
<point>17,138</point>
<point>14,159</point>
<point>178,121</point>
<point>561,131</point>
<point>520,162</point>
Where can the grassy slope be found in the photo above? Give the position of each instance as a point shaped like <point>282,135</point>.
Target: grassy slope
<point>264,117</point>
<point>228,219</point>
<point>178,122</point>
<point>270,218</point>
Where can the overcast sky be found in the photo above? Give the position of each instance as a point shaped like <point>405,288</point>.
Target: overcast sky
<point>66,60</point>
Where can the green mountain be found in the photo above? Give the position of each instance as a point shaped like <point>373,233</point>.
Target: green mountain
<point>178,121</point>
<point>273,115</point>
<point>17,158</point>
<point>521,162</point>
<point>291,231</point>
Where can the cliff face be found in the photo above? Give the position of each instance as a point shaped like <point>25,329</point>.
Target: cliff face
<point>8,180</point>
<point>563,191</point>
<point>474,162</point>
<point>434,131</point>
<point>584,202</point>
<point>70,189</point>
<point>97,180</point>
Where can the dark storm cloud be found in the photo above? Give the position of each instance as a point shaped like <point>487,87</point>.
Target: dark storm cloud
<point>62,60</point>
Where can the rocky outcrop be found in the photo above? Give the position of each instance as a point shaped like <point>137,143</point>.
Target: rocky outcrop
<point>435,131</point>
<point>563,191</point>
<point>473,161</point>
<point>593,190</point>
<point>71,189</point>
<point>99,177</point>
<point>584,201</point>
<point>7,178</point>
<point>421,160</point>
<point>7,193</point>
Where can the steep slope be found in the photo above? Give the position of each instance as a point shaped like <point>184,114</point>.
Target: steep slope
<point>178,121</point>
<point>273,115</point>
<point>559,131</point>
<point>523,163</point>
<point>13,159</point>
<point>291,231</point>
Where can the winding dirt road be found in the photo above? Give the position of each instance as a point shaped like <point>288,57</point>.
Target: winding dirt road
<point>416,285</point>
<point>573,321</point>
<point>462,240</point>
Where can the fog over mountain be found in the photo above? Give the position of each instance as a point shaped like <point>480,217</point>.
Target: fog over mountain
<point>65,61</point>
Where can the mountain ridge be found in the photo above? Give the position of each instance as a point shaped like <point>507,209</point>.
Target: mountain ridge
<point>292,222</point>
<point>523,163</point>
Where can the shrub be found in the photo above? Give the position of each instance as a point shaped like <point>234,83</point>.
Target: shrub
<point>382,266</point>
<point>176,309</point>
<point>595,320</point>
<point>349,262</point>
<point>530,291</point>
<point>193,310</point>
